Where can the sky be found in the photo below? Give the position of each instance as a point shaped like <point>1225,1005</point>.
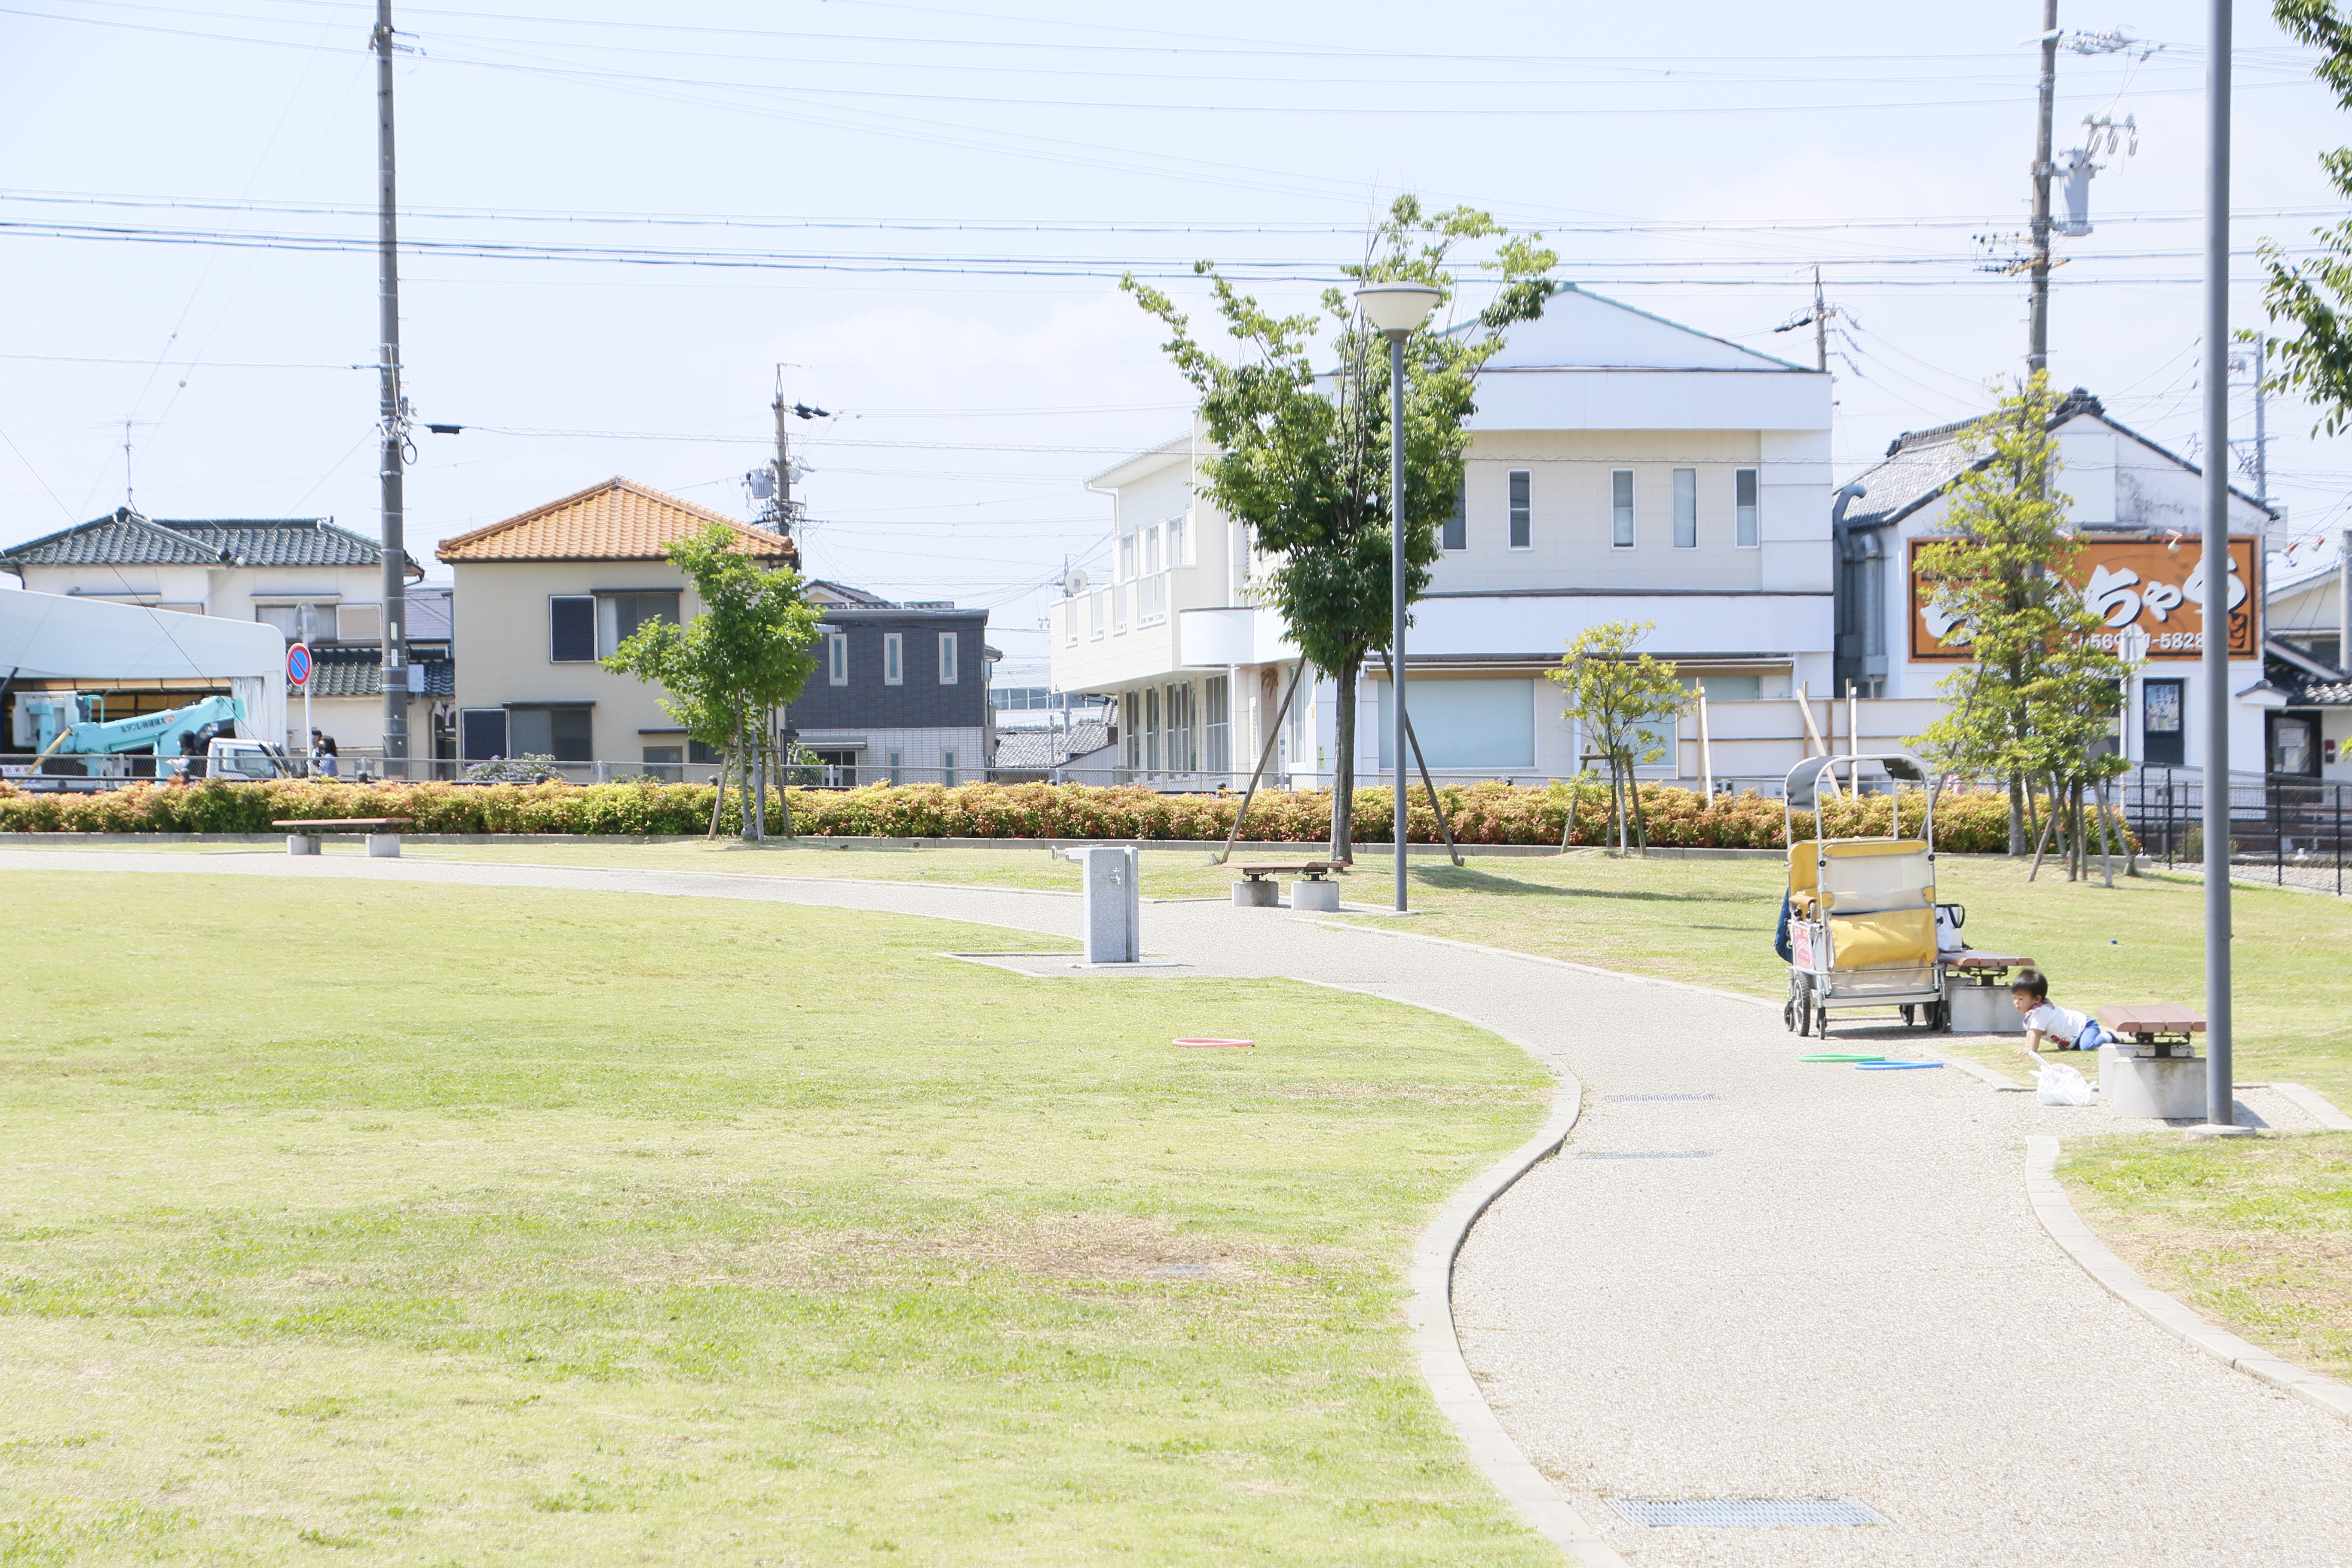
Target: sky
<point>630,225</point>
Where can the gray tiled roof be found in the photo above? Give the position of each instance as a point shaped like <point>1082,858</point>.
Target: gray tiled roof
<point>2322,694</point>
<point>1921,463</point>
<point>127,538</point>
<point>358,672</point>
<point>1036,749</point>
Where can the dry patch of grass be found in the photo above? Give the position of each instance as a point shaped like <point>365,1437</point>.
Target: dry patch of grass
<point>2256,1234</point>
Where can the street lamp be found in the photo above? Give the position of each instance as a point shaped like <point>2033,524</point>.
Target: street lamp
<point>1394,310</point>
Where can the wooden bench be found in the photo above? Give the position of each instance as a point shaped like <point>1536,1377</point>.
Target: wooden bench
<point>1983,968</point>
<point>302,833</point>
<point>2152,1028</point>
<point>1258,870</point>
<point>1256,890</point>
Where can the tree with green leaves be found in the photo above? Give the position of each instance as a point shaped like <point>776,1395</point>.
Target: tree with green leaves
<point>2040,693</point>
<point>1301,453</point>
<point>1617,697</point>
<point>727,673</point>
<point>2315,293</point>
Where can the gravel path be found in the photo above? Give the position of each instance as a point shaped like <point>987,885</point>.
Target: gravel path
<point>1744,1277</point>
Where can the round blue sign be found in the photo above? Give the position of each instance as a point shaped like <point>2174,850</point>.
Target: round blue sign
<point>298,663</point>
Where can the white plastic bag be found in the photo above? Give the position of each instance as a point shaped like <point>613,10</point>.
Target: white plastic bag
<point>2062,1085</point>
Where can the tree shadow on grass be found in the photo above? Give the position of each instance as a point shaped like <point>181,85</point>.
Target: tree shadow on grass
<point>1465,878</point>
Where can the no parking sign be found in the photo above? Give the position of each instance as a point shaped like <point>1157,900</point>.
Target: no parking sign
<point>298,663</point>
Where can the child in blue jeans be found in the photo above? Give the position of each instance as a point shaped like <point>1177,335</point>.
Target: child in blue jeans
<point>2045,1020</point>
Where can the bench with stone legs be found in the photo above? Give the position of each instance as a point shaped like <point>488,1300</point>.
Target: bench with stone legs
<point>1312,891</point>
<point>2148,1066</point>
<point>302,833</point>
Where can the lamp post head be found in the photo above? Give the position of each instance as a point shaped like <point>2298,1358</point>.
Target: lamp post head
<point>1394,310</point>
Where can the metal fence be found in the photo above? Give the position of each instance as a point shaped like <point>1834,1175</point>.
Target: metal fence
<point>2291,827</point>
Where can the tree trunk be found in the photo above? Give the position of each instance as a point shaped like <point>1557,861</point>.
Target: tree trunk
<point>1641,823</point>
<point>1343,766</point>
<point>2016,816</point>
<point>719,800</point>
<point>2039,843</point>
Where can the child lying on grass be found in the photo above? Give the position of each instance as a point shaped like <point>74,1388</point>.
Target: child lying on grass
<point>2045,1020</point>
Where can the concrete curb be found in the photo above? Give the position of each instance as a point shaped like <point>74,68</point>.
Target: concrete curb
<point>2315,1104</point>
<point>30,840</point>
<point>1437,1343</point>
<point>2066,1229</point>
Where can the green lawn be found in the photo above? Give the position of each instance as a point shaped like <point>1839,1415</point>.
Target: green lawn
<point>2257,1234</point>
<point>389,1224</point>
<point>1711,922</point>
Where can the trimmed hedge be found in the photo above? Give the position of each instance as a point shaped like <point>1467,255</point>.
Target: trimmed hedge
<point>1974,822</point>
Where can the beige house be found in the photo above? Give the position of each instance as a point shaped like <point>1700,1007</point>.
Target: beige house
<point>541,597</point>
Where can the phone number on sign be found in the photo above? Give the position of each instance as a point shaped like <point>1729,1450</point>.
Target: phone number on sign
<point>2160,642</point>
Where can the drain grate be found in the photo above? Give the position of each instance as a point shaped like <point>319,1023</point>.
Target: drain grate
<point>1624,1098</point>
<point>1664,1155</point>
<point>1747,1513</point>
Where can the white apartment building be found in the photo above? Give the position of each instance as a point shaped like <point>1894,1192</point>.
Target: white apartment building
<point>1620,466</point>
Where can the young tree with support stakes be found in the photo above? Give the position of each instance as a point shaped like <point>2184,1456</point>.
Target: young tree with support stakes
<point>1616,696</point>
<point>1301,455</point>
<point>729,672</point>
<point>2041,695</point>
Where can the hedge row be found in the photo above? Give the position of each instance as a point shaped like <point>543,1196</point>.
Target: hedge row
<point>1481,813</point>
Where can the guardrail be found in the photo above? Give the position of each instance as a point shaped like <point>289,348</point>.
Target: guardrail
<point>2291,826</point>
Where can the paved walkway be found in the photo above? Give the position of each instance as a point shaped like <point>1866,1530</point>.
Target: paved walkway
<point>1744,1277</point>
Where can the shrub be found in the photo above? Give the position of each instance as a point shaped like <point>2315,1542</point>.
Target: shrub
<point>1975,822</point>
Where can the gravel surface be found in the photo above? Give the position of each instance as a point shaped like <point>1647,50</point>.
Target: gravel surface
<point>1836,1290</point>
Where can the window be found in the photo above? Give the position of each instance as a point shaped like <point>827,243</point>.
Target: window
<point>1744,531</point>
<point>1151,728</point>
<point>894,768</point>
<point>1480,724</point>
<point>1176,538</point>
<point>305,623</point>
<point>894,658</point>
<point>1151,551</point>
<point>1621,508</point>
<point>482,733</point>
<point>1455,533</point>
<point>947,658</point>
<point>1216,746</point>
<point>572,630</point>
<point>1071,610</point>
<point>1522,514</point>
<point>1685,508</point>
<point>947,767</point>
<point>563,733</point>
<point>837,659</point>
<point>2162,736</point>
<point>702,755</point>
<point>1102,614</point>
<point>1126,556</point>
<point>618,615</point>
<point>667,763</point>
<point>358,623</point>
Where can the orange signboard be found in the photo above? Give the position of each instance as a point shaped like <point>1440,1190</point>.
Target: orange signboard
<point>2141,582</point>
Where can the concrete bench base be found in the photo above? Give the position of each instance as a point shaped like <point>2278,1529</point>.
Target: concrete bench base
<point>1983,1009</point>
<point>2169,1087</point>
<point>385,846</point>
<point>1322,896</point>
<point>1254,893</point>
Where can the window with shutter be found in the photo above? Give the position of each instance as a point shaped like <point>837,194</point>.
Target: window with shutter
<point>572,630</point>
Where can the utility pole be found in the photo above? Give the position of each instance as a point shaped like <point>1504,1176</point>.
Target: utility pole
<point>2037,356</point>
<point>771,486</point>
<point>2220,1105</point>
<point>1820,326</point>
<point>394,414</point>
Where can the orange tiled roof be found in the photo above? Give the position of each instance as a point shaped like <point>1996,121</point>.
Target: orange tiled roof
<point>619,520</point>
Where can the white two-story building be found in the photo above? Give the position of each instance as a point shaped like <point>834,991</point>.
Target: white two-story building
<point>1620,468</point>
